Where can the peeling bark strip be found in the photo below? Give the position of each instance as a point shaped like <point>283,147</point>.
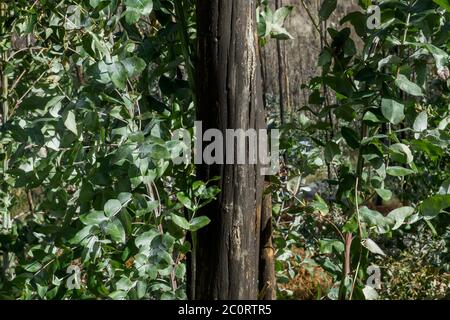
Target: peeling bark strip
<point>229,96</point>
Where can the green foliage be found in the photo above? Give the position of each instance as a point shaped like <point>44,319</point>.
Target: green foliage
<point>92,91</point>
<point>327,8</point>
<point>98,92</point>
<point>381,136</point>
<point>270,23</point>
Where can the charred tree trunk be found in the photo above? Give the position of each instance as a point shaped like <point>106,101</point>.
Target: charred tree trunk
<point>267,280</point>
<point>262,61</point>
<point>229,97</point>
<point>281,74</point>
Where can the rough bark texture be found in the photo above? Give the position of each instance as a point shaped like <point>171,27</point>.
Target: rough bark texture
<point>281,73</point>
<point>229,96</point>
<point>267,280</point>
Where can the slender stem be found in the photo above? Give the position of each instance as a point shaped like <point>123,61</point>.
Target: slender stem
<point>193,279</point>
<point>316,25</point>
<point>405,34</point>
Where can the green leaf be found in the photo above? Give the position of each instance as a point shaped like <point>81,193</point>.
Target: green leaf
<point>429,148</point>
<point>399,216</point>
<point>281,14</point>
<point>445,188</point>
<point>421,122</point>
<point>141,289</point>
<point>328,246</point>
<point>439,55</point>
<point>180,271</point>
<point>53,143</point>
<point>198,185</point>
<point>126,221</point>
<point>112,207</point>
<point>386,195</point>
<point>389,60</point>
<point>94,3</point>
<point>118,74</point>
<point>433,206</point>
<point>70,122</point>
<point>331,151</point>
<point>409,87</point>
<point>185,200</point>
<point>42,290</point>
<point>82,234</point>
<point>393,110</point>
<point>198,223</point>
<point>402,153</point>
<point>118,295</point>
<point>375,219</point>
<point>351,137</point>
<point>124,197</point>
<point>93,218</point>
<point>155,151</point>
<point>365,3</point>
<point>125,284</point>
<point>180,221</point>
<point>371,117</point>
<point>280,33</point>
<point>399,171</point>
<point>370,293</point>
<point>443,3</point>
<point>325,58</point>
<point>134,66</point>
<point>358,20</point>
<point>371,245</point>
<point>146,238</point>
<point>116,231</point>
<point>160,152</point>
<point>327,8</point>
<point>319,205</point>
<point>137,8</point>
<point>33,266</point>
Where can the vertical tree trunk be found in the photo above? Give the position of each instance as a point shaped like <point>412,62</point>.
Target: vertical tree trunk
<point>262,61</point>
<point>281,75</point>
<point>267,280</point>
<point>229,97</point>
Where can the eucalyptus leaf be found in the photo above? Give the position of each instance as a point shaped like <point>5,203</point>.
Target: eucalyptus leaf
<point>116,230</point>
<point>399,171</point>
<point>409,87</point>
<point>327,8</point>
<point>371,245</point>
<point>393,111</point>
<point>399,215</point>
<point>199,222</point>
<point>112,207</point>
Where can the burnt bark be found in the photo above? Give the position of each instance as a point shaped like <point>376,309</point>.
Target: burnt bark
<point>267,280</point>
<point>282,77</point>
<point>229,96</point>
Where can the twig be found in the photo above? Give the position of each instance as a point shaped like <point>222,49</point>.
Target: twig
<point>17,80</point>
<point>30,201</point>
<point>18,102</point>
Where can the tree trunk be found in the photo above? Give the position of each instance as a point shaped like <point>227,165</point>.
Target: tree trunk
<point>229,97</point>
<point>267,280</point>
<point>281,74</point>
